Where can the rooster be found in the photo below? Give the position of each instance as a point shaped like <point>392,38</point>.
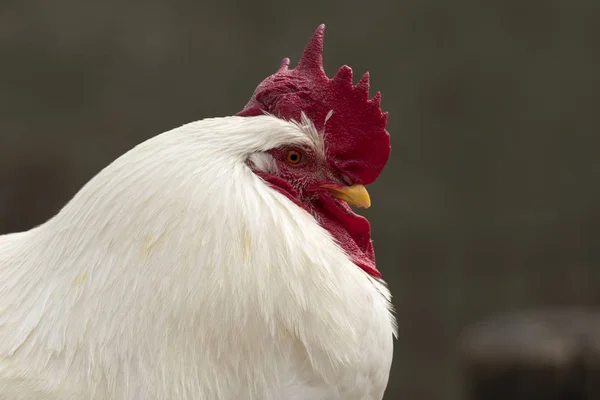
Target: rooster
<point>219,260</point>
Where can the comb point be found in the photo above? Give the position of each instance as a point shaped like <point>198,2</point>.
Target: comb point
<point>376,100</point>
<point>363,85</point>
<point>285,63</point>
<point>343,76</point>
<point>312,57</point>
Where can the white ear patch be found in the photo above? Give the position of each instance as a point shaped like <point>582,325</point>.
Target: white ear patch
<point>263,162</point>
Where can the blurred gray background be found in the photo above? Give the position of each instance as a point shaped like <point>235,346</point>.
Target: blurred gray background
<point>490,202</point>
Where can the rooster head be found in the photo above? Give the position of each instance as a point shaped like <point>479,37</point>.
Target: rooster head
<point>352,146</point>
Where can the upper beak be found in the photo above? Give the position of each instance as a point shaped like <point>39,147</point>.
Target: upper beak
<point>355,195</point>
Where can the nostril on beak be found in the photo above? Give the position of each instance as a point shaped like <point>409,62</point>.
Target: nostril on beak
<point>345,180</point>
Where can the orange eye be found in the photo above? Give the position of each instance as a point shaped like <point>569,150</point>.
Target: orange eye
<point>293,157</point>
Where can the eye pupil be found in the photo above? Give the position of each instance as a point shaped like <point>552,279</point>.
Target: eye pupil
<point>294,157</point>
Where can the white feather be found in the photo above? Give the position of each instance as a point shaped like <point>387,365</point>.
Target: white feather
<point>177,273</point>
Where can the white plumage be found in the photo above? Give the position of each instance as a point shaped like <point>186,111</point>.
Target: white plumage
<point>177,273</point>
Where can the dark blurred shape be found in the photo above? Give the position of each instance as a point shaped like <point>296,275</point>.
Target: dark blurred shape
<point>543,355</point>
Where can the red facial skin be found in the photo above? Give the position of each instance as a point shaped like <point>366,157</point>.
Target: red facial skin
<point>356,142</point>
<point>301,182</point>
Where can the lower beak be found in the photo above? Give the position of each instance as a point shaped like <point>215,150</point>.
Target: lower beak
<point>355,195</point>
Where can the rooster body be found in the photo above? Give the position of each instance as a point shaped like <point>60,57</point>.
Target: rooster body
<point>178,272</point>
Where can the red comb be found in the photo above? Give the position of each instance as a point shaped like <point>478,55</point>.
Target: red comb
<point>355,136</point>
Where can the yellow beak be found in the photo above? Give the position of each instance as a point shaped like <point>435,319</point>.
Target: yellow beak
<point>355,195</point>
